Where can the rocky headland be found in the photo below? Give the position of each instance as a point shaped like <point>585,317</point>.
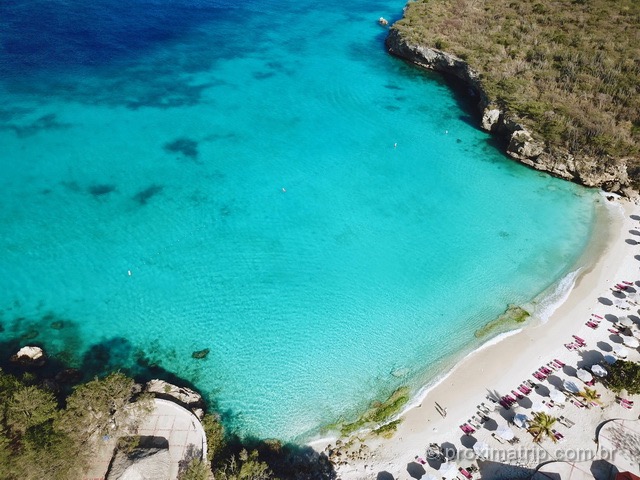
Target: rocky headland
<point>521,136</point>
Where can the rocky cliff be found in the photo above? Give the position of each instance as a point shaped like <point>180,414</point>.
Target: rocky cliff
<point>609,174</point>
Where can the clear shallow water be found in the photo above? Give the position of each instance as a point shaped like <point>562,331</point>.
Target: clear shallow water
<point>157,137</point>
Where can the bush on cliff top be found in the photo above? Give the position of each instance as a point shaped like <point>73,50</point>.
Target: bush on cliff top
<point>568,69</point>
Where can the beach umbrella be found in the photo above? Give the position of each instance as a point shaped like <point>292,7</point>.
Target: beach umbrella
<point>539,406</point>
<point>620,351</point>
<point>610,359</point>
<point>570,386</point>
<point>633,296</point>
<point>599,371</point>
<point>448,470</point>
<point>620,303</point>
<point>584,375</point>
<point>505,432</point>
<point>482,449</point>
<point>631,342</point>
<point>626,321</point>
<point>520,420</point>
<point>636,333</point>
<point>557,396</point>
<point>429,476</point>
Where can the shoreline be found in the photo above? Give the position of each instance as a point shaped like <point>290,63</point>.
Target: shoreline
<point>605,213</point>
<point>503,361</point>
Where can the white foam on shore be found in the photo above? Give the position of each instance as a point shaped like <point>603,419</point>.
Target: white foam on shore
<point>543,306</point>
<point>419,397</point>
<point>417,400</point>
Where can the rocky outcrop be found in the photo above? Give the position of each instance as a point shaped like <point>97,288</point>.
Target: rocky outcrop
<point>29,356</point>
<point>520,142</point>
<point>183,396</point>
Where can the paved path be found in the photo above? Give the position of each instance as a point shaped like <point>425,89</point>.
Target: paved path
<point>177,425</point>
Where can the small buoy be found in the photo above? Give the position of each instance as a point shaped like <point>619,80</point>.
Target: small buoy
<point>284,190</point>
<point>129,272</point>
<point>395,145</point>
<point>447,132</point>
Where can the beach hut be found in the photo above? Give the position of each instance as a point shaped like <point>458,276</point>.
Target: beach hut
<point>570,386</point>
<point>598,371</point>
<point>620,351</point>
<point>584,375</point>
<point>557,396</point>
<point>505,432</point>
<point>631,342</point>
<point>448,470</point>
<point>482,449</point>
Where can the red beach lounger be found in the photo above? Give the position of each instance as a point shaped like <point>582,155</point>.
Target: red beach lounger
<point>517,394</point>
<point>597,316</point>
<point>465,473</point>
<point>558,362</point>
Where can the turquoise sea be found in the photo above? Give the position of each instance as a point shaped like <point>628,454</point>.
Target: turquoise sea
<point>260,179</point>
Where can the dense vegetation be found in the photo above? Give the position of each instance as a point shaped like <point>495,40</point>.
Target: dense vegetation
<point>568,69</point>
<point>46,433</point>
<point>41,438</point>
<point>623,375</point>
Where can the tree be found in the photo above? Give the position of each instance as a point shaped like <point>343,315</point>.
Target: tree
<point>28,407</point>
<point>103,406</point>
<point>215,438</point>
<point>623,375</point>
<point>590,395</point>
<point>197,470</point>
<point>246,466</point>
<point>542,426</point>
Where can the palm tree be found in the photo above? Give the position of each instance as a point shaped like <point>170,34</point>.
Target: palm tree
<point>542,426</point>
<point>590,395</point>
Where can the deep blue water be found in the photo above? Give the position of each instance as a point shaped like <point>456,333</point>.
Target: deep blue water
<point>319,215</point>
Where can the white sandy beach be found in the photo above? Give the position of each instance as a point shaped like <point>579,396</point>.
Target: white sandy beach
<point>503,366</point>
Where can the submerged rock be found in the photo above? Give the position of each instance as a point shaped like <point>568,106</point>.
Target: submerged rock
<point>29,356</point>
<point>200,353</point>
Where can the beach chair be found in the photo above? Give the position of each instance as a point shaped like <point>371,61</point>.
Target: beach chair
<point>591,325</point>
<point>597,316</point>
<point>580,341</point>
<point>570,346</point>
<point>524,390</point>
<point>538,376</point>
<point>545,370</point>
<point>518,395</point>
<point>465,473</point>
<point>499,440</point>
<point>558,362</point>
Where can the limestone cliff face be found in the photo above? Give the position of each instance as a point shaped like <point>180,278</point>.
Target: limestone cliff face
<point>608,174</point>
